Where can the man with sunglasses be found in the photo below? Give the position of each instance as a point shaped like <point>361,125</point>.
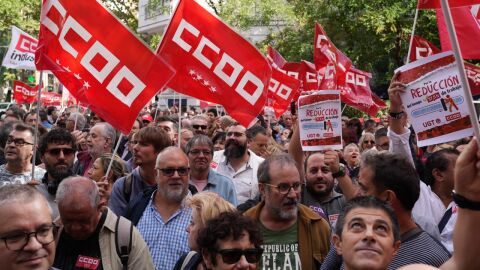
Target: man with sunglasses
<point>230,241</point>
<point>57,149</point>
<point>18,154</point>
<point>27,238</point>
<point>293,234</point>
<point>238,163</point>
<point>160,215</point>
<point>199,124</point>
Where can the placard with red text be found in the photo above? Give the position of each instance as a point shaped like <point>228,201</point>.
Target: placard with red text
<point>435,100</point>
<point>320,120</point>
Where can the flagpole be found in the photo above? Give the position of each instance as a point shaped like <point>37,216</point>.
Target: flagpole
<point>412,35</point>
<point>461,68</point>
<point>179,137</point>
<point>76,117</point>
<point>156,111</point>
<point>344,107</point>
<point>113,155</point>
<point>35,135</point>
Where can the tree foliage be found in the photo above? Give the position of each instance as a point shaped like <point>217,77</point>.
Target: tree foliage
<point>373,33</point>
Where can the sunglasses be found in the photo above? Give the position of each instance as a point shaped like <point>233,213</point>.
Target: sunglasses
<point>231,256</point>
<point>199,127</point>
<point>371,142</point>
<point>65,151</point>
<point>182,171</point>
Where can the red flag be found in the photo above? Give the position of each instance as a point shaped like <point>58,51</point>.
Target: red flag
<point>51,99</point>
<point>214,63</point>
<point>433,4</point>
<point>422,48</point>
<point>24,93</point>
<point>330,61</point>
<point>467,27</point>
<point>282,90</point>
<point>99,60</point>
<point>206,104</point>
<point>276,57</point>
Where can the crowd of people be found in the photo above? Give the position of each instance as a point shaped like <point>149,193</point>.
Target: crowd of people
<point>201,191</point>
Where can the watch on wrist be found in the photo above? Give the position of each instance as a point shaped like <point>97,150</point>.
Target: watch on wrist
<point>341,171</point>
<point>396,115</point>
<point>465,203</point>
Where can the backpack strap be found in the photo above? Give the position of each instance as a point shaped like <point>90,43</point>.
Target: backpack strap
<point>187,259</point>
<point>127,187</point>
<point>123,239</point>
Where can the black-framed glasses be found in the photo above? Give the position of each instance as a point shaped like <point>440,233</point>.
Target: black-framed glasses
<point>231,256</point>
<point>370,142</point>
<point>199,127</point>
<point>17,141</point>
<point>18,241</point>
<point>235,134</point>
<point>182,171</point>
<point>65,151</point>
<point>197,152</point>
<point>285,188</point>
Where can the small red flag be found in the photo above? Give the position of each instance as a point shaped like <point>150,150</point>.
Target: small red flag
<point>24,93</point>
<point>434,4</point>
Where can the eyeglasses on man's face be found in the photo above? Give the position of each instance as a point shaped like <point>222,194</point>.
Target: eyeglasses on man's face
<point>18,240</point>
<point>17,141</point>
<point>182,171</point>
<point>285,188</point>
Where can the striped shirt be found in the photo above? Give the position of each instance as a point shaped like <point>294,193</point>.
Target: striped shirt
<point>166,241</point>
<point>417,247</point>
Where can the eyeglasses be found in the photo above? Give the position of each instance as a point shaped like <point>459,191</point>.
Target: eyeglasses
<point>231,256</point>
<point>17,142</point>
<point>199,127</point>
<point>236,134</point>
<point>182,171</point>
<point>18,241</point>
<point>65,151</point>
<point>285,188</point>
<point>370,142</point>
<point>197,152</point>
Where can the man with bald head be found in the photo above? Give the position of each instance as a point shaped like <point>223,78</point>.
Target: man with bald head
<point>26,229</point>
<point>88,236</point>
<point>160,215</point>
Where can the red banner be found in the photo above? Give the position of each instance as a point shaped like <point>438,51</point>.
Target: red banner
<point>330,61</point>
<point>423,48</point>
<point>99,60</point>
<point>24,93</point>
<point>51,99</point>
<point>275,57</point>
<point>282,90</point>
<point>467,27</point>
<point>434,4</point>
<point>214,63</point>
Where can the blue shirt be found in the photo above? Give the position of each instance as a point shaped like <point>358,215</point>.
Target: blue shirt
<point>117,202</point>
<point>167,241</point>
<point>221,185</point>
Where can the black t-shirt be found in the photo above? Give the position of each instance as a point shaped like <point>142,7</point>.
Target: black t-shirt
<point>80,254</point>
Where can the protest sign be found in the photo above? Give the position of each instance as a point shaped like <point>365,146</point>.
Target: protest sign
<point>21,52</point>
<point>320,120</point>
<point>435,100</point>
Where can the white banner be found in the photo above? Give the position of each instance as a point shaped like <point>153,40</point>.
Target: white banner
<point>21,53</point>
<point>435,100</point>
<point>320,120</point>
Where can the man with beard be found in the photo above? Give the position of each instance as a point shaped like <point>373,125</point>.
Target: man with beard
<point>160,215</point>
<point>200,152</point>
<point>57,149</point>
<point>293,234</point>
<point>321,170</point>
<point>238,163</point>
<point>148,142</point>
<point>18,154</point>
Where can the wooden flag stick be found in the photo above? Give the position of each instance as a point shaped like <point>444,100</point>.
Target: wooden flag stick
<point>461,68</point>
<point>113,155</point>
<point>35,135</point>
<point>412,35</point>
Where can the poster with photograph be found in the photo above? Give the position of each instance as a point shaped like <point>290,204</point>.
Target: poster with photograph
<point>434,100</point>
<point>320,120</point>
